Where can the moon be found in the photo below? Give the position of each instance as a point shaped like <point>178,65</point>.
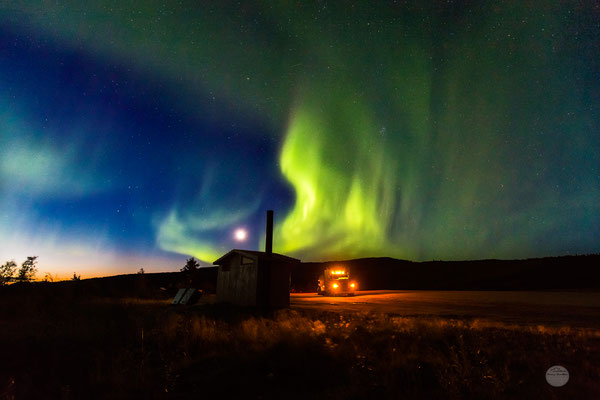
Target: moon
<point>240,234</point>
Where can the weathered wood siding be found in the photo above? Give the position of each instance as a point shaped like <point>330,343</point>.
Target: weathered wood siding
<point>236,283</point>
<point>247,278</point>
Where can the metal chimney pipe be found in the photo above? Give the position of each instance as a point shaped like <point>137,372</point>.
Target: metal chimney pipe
<point>269,241</point>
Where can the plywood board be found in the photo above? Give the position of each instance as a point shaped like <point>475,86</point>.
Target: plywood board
<point>178,296</point>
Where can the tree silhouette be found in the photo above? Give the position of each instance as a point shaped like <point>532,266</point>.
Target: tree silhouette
<point>76,277</point>
<point>28,270</point>
<point>7,271</point>
<point>191,265</point>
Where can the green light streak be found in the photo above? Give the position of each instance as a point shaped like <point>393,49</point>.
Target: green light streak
<point>416,132</point>
<point>30,164</point>
<point>179,237</point>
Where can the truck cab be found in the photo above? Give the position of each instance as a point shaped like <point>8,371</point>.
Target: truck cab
<point>336,281</point>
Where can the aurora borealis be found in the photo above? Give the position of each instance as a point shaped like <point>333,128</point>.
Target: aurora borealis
<point>135,134</point>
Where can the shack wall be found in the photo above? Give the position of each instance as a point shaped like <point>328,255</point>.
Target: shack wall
<point>274,284</point>
<point>236,282</point>
<point>280,285</point>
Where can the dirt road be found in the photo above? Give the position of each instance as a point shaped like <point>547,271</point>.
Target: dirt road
<point>573,309</point>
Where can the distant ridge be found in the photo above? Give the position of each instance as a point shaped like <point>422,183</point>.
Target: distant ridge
<point>579,272</point>
<point>569,273</point>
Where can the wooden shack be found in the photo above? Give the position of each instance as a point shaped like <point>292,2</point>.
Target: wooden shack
<point>255,278</point>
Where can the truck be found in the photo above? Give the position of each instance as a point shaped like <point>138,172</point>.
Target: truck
<point>336,281</point>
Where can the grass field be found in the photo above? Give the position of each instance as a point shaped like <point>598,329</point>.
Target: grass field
<point>67,346</point>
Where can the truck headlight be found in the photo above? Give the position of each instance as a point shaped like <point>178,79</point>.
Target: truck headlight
<point>352,285</point>
<point>335,285</point>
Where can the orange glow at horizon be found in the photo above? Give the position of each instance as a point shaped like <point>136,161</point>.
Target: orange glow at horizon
<point>59,260</point>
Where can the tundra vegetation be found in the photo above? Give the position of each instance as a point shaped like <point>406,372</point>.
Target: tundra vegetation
<point>60,343</point>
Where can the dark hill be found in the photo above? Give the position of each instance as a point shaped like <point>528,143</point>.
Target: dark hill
<point>146,286</point>
<point>550,273</point>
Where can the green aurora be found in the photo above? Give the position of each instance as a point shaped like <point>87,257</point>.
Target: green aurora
<point>450,131</point>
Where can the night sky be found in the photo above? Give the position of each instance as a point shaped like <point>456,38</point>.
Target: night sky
<point>138,133</point>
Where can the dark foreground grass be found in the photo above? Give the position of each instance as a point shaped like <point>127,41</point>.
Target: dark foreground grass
<point>53,347</point>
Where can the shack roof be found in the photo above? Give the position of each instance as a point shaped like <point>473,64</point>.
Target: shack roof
<point>261,255</point>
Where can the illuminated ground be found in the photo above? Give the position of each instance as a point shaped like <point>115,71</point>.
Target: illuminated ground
<point>378,344</point>
<point>522,308</point>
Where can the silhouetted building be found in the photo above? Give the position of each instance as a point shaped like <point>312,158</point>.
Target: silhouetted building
<point>255,278</point>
